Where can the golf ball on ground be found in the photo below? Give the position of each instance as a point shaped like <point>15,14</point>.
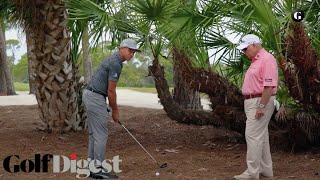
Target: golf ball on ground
<point>157,174</point>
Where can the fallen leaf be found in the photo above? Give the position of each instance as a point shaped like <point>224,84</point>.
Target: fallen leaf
<point>171,150</point>
<point>203,169</point>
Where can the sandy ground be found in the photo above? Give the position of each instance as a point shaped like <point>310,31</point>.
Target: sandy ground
<point>192,152</point>
<point>124,97</point>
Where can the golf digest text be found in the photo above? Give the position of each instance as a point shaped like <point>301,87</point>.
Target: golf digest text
<point>82,167</point>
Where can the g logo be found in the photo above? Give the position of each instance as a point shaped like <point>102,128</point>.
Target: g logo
<point>297,15</point>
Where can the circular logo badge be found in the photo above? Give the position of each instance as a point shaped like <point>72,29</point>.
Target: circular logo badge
<point>297,15</point>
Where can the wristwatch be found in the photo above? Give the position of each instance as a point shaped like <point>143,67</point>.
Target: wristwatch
<point>262,106</point>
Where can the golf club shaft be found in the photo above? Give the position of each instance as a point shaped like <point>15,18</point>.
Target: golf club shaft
<point>139,143</point>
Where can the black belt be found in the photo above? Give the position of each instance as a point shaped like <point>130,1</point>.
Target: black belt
<point>90,89</point>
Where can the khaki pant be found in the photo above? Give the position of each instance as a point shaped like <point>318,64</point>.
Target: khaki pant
<point>257,138</point>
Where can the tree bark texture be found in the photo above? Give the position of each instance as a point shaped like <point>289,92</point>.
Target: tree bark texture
<point>55,73</point>
<point>6,70</point>
<point>31,58</point>
<point>3,62</point>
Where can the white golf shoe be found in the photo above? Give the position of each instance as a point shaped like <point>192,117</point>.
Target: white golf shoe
<point>242,177</point>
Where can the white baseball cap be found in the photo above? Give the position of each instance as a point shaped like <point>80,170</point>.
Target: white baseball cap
<point>248,40</point>
<point>130,43</point>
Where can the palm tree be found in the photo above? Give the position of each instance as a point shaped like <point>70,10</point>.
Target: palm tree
<point>183,94</point>
<point>84,26</point>
<point>52,64</point>
<point>161,21</point>
<point>167,24</point>
<point>3,64</point>
<point>290,43</point>
<point>31,58</point>
<point>6,83</point>
<point>190,32</point>
<point>149,17</point>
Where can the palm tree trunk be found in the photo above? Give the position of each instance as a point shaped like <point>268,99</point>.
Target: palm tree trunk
<point>228,109</point>
<point>306,67</point>
<point>31,58</point>
<point>229,117</point>
<point>3,84</point>
<point>87,63</point>
<point>186,97</point>
<point>217,87</point>
<point>7,73</point>
<point>10,85</point>
<point>55,72</point>
<point>3,62</point>
<point>299,64</point>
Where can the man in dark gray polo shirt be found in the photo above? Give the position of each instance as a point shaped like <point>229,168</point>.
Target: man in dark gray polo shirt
<point>103,84</point>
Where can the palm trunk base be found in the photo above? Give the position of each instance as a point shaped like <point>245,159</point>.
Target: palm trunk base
<point>228,109</point>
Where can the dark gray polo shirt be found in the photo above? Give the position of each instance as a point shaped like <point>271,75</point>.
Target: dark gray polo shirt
<point>110,69</point>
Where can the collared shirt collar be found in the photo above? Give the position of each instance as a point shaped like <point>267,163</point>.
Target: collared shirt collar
<point>258,55</point>
<point>117,56</point>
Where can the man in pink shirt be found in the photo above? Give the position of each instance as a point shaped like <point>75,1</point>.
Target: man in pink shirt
<point>259,89</point>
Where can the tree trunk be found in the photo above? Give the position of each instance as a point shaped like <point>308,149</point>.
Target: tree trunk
<point>299,64</point>
<point>218,88</point>
<point>6,70</point>
<point>31,58</point>
<point>3,84</point>
<point>55,72</point>
<point>232,118</point>
<point>186,97</point>
<point>306,67</point>
<point>10,85</point>
<point>87,63</point>
<point>3,62</point>
<point>227,103</point>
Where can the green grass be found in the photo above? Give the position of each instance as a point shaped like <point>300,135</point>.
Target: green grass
<point>140,89</point>
<point>153,90</point>
<point>18,86</point>
<point>25,87</point>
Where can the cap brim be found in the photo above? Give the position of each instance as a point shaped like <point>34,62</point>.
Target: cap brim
<point>242,46</point>
<point>137,50</point>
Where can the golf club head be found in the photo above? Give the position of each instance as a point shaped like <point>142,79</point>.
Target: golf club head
<point>164,165</point>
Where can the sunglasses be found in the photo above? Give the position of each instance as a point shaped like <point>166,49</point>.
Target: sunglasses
<point>244,49</point>
<point>132,51</point>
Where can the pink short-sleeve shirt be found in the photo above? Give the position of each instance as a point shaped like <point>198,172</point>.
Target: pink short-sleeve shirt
<point>262,72</point>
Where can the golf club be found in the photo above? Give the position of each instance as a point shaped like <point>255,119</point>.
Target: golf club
<point>162,165</point>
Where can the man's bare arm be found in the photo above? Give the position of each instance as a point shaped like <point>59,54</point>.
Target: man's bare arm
<point>266,94</point>
<point>112,98</point>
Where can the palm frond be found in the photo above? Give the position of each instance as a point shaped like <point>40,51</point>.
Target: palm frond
<point>6,8</point>
<point>148,15</point>
<point>154,10</point>
<point>177,26</point>
<point>76,33</point>
<point>99,17</point>
<point>312,18</point>
<point>86,9</point>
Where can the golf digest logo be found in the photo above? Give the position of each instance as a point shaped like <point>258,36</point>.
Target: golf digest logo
<point>297,15</point>
<point>82,167</point>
